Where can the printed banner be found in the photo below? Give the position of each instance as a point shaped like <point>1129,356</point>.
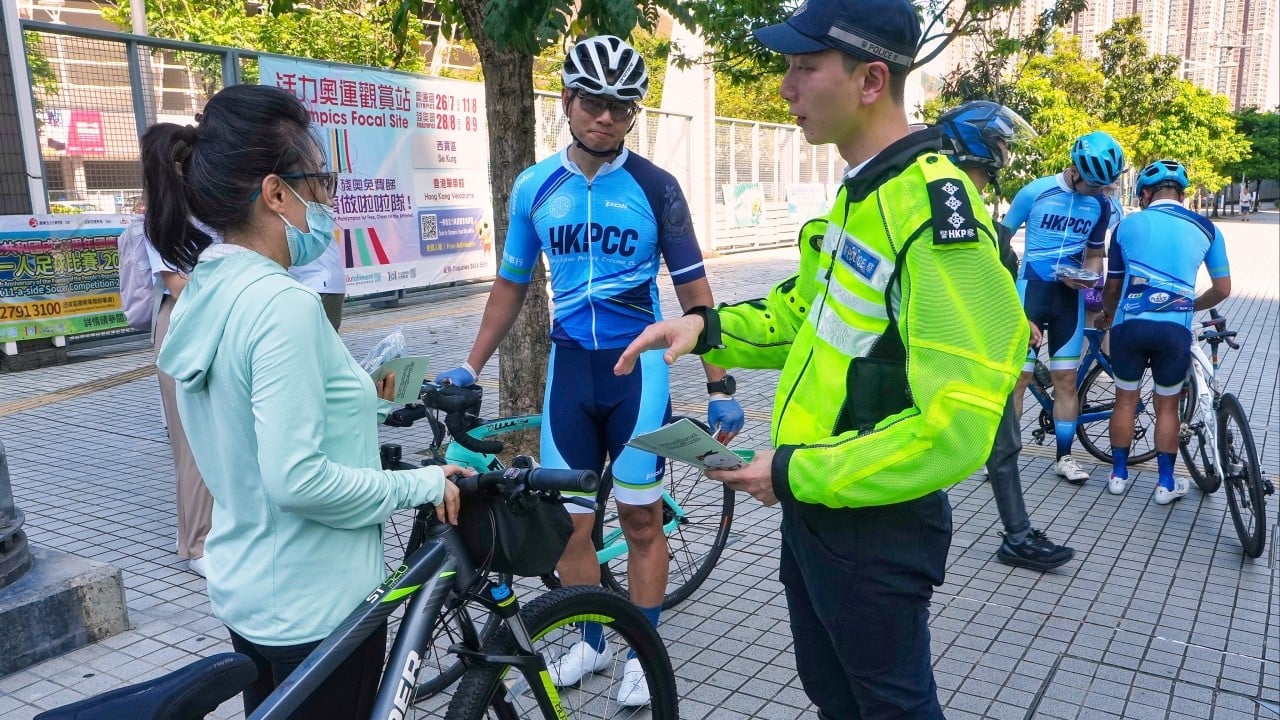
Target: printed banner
<point>59,275</point>
<point>743,203</point>
<point>412,156</point>
<point>807,200</point>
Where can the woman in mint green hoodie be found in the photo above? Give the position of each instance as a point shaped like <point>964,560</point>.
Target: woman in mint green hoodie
<point>281,419</point>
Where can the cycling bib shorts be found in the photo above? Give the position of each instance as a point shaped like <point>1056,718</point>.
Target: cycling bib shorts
<point>1058,310</point>
<point>1162,346</point>
<point>590,413</point>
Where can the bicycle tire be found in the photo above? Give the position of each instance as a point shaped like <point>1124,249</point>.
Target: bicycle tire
<point>695,544</point>
<point>1245,495</point>
<point>1097,394</point>
<point>550,620</point>
<point>1193,444</point>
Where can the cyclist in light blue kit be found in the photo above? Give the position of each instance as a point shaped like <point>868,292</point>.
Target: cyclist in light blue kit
<point>1066,217</point>
<point>603,217</point>
<point>1150,293</point>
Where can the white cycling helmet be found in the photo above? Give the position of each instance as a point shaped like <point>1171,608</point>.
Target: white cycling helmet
<point>606,65</point>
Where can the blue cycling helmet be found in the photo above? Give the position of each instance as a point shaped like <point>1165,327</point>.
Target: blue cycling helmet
<point>1098,158</point>
<point>1161,172</point>
<point>975,131</point>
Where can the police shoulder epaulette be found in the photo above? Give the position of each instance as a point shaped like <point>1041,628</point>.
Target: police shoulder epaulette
<point>949,203</point>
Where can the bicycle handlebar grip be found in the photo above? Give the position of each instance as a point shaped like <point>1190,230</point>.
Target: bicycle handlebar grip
<point>405,416</point>
<point>570,480</point>
<point>454,422</point>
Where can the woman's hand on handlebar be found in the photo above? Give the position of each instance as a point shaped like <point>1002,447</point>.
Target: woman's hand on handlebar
<point>447,508</point>
<point>386,387</point>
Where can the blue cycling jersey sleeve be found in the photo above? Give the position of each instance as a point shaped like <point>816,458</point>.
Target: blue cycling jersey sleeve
<point>522,246</point>
<point>676,239</point>
<point>1115,257</point>
<point>1098,238</point>
<point>1020,208</point>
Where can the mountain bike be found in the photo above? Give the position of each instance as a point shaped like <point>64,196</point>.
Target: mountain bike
<point>1095,386</point>
<point>439,574</point>
<point>1215,440</point>
<point>696,514</point>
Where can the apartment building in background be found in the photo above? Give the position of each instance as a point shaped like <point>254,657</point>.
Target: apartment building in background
<point>1227,47</point>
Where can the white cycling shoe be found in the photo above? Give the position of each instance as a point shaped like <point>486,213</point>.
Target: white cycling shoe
<point>633,691</point>
<point>1180,488</point>
<point>1116,485</point>
<point>581,660</point>
<point>1067,468</point>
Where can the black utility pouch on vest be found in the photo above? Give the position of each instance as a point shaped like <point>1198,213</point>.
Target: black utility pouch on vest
<point>878,385</point>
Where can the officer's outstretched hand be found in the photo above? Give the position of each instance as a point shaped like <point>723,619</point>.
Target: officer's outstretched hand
<point>462,376</point>
<point>725,417</point>
<point>756,479</point>
<point>678,335</point>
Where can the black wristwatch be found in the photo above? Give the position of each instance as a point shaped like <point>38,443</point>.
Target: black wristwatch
<point>725,386</point>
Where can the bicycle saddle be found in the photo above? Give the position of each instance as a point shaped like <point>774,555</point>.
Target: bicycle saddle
<point>188,693</point>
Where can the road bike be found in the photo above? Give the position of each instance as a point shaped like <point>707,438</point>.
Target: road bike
<point>697,515</point>
<point>1096,389</point>
<point>440,575</point>
<point>1215,440</point>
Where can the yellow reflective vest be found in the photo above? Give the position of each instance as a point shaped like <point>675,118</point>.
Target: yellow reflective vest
<point>899,339</point>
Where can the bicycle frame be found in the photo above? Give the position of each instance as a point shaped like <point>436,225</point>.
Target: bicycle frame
<point>1203,379</point>
<point>425,579</point>
<point>1093,355</point>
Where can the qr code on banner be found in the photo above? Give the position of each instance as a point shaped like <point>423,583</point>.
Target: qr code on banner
<point>430,230</point>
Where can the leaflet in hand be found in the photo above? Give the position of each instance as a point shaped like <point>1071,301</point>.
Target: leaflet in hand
<point>410,372</point>
<point>683,440</point>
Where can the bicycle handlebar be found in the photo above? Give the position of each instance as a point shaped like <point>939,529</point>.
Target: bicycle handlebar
<point>536,479</point>
<point>1219,321</point>
<point>459,404</point>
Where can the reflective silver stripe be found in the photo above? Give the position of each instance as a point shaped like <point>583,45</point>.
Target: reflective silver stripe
<point>844,338</point>
<point>844,297</point>
<point>851,36</point>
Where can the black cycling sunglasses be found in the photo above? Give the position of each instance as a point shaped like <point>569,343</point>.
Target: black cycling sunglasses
<point>620,111</point>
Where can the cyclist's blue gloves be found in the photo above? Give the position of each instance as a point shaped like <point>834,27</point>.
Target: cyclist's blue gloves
<point>724,414</point>
<point>461,376</point>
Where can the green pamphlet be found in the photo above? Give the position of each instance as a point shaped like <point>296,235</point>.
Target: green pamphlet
<point>410,372</point>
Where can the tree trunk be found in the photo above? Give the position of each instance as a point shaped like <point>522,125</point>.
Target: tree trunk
<point>508,83</point>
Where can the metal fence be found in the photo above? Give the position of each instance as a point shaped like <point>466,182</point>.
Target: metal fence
<point>767,181</point>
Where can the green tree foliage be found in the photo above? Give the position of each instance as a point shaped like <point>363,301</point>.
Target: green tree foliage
<point>43,77</point>
<point>1127,92</point>
<point>349,31</point>
<point>1262,161</point>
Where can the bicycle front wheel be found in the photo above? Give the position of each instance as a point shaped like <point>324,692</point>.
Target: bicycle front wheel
<point>697,514</point>
<point>1245,495</point>
<point>495,691</point>
<point>1098,394</point>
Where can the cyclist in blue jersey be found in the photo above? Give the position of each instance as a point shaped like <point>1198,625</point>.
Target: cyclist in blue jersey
<point>1066,218</point>
<point>603,217</point>
<point>1149,300</point>
<point>978,136</point>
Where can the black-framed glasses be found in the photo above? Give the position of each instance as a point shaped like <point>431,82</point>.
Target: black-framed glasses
<point>327,180</point>
<point>619,110</point>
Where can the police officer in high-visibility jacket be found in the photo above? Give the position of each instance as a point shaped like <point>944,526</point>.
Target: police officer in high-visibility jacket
<point>898,344</point>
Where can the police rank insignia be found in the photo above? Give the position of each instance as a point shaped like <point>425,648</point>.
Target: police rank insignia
<point>953,220</point>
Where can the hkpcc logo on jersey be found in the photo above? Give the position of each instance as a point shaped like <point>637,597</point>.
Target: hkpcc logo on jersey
<point>1080,226</point>
<point>612,240</point>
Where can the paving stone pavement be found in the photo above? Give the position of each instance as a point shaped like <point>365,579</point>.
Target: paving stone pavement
<point>1159,615</point>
